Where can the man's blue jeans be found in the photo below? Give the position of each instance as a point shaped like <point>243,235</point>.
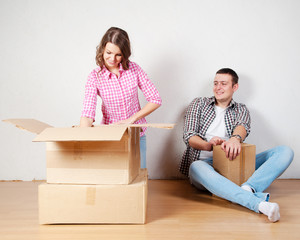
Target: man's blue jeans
<point>269,165</point>
<point>143,151</point>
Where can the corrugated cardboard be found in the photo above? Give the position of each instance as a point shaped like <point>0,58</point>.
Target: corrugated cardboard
<point>105,154</point>
<point>94,204</point>
<point>239,169</point>
<point>95,162</point>
<point>30,125</point>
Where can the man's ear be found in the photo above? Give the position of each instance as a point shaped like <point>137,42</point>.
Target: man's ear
<point>235,87</point>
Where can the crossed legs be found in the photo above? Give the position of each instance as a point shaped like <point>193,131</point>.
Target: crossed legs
<point>269,165</point>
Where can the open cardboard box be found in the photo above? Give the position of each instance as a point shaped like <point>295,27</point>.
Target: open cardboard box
<point>104,154</point>
<point>94,204</point>
<point>239,169</point>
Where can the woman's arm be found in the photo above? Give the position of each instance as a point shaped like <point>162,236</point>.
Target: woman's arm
<point>90,101</point>
<point>86,122</point>
<point>145,111</point>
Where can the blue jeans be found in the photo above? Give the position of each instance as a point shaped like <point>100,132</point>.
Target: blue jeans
<point>269,165</point>
<point>143,149</point>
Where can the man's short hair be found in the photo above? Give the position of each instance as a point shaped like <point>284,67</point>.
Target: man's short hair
<point>234,76</point>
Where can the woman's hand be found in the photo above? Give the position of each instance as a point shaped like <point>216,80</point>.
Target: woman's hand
<point>86,122</point>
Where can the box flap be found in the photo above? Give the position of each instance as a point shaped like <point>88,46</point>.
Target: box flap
<point>154,125</point>
<point>99,133</point>
<point>30,125</point>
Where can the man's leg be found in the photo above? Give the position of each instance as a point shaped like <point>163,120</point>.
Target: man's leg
<point>270,165</point>
<point>202,173</point>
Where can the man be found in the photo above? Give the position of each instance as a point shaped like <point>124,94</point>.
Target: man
<point>219,120</point>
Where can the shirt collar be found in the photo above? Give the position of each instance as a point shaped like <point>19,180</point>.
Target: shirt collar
<point>121,69</point>
<point>232,103</point>
<point>107,74</point>
<point>212,100</point>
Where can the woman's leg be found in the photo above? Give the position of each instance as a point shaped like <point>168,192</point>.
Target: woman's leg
<point>143,151</point>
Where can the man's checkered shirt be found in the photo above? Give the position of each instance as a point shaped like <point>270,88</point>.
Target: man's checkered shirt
<point>199,116</point>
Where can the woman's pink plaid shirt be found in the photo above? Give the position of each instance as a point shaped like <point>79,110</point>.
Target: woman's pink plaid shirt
<point>119,95</point>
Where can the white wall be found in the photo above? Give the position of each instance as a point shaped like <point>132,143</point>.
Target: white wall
<point>48,48</point>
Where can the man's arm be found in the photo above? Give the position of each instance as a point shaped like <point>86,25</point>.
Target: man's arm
<point>233,146</point>
<point>192,120</point>
<point>191,132</point>
<point>200,144</point>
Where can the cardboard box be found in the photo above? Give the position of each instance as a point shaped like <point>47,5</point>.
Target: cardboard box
<point>239,169</point>
<point>94,204</point>
<point>105,154</point>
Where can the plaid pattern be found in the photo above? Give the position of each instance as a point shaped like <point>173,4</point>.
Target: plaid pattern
<point>199,116</point>
<point>119,95</point>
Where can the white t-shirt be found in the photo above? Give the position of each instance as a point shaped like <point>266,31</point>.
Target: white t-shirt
<point>217,128</point>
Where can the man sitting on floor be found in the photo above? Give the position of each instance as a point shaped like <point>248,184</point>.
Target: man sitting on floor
<point>219,120</point>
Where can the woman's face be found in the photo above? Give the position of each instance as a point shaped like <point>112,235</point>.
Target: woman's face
<point>112,56</point>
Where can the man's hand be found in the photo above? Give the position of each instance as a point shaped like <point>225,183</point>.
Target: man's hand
<point>232,148</point>
<point>216,141</point>
<point>213,142</point>
<point>197,142</point>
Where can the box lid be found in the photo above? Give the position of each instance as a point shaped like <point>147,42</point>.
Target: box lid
<point>30,125</point>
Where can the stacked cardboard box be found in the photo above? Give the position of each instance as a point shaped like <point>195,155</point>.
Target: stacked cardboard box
<point>91,204</point>
<point>93,174</point>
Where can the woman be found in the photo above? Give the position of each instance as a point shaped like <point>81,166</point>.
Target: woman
<point>116,81</point>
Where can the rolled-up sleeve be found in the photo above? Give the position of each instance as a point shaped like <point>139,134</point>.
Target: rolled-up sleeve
<point>147,87</point>
<point>90,98</point>
<point>243,118</point>
<point>192,121</point>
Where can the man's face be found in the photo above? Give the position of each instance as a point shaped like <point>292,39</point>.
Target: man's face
<point>223,89</point>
